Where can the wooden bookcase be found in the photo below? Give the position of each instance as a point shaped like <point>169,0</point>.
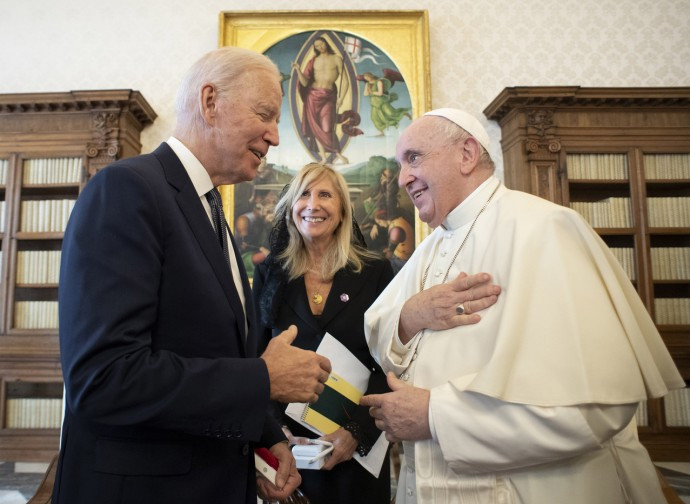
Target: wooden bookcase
<point>50,145</point>
<point>621,157</point>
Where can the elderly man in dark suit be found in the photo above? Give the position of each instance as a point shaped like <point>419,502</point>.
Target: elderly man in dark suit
<point>165,396</point>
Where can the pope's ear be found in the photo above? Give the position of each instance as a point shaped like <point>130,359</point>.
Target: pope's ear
<point>208,103</point>
<point>470,152</point>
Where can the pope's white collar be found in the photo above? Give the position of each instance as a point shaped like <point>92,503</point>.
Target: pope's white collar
<point>468,208</point>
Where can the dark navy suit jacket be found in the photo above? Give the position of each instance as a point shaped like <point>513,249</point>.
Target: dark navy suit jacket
<point>164,396</point>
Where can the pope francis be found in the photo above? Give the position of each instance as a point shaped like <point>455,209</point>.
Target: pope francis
<point>534,403</point>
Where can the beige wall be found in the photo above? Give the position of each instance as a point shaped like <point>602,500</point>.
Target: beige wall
<point>477,47</point>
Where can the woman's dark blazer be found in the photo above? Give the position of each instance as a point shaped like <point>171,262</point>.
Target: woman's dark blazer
<point>343,317</point>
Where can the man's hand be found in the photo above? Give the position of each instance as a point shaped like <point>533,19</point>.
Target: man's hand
<point>287,476</point>
<point>344,446</point>
<point>435,307</point>
<point>296,375</point>
<point>402,414</point>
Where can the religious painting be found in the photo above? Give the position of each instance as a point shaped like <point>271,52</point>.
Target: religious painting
<point>348,93</point>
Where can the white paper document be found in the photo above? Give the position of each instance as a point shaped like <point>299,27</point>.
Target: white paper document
<point>347,366</point>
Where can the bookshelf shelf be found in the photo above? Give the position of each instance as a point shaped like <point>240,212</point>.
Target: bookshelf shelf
<point>25,333</point>
<point>41,175</point>
<point>36,235</point>
<point>36,286</point>
<point>615,231</point>
<point>51,187</point>
<point>597,183</point>
<point>42,192</point>
<point>676,230</point>
<point>673,183</point>
<point>630,178</point>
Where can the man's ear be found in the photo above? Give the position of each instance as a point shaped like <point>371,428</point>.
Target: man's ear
<point>209,103</point>
<point>470,152</point>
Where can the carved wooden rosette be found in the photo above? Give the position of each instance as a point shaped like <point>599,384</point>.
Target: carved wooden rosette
<point>105,146</point>
<point>102,125</point>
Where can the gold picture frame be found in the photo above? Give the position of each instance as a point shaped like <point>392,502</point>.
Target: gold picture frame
<point>399,37</point>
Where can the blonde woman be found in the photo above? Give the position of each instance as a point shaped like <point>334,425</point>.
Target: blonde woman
<point>320,277</point>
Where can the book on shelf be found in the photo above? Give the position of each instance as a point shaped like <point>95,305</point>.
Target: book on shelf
<point>597,166</point>
<point>33,413</point>
<point>677,408</point>
<point>46,171</point>
<point>672,311</point>
<point>36,314</point>
<point>44,216</point>
<point>666,166</point>
<point>607,213</point>
<point>38,267</point>
<point>626,258</point>
<point>670,263</point>
<point>669,212</point>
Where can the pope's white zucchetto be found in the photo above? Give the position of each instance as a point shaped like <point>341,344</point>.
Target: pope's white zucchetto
<point>466,121</point>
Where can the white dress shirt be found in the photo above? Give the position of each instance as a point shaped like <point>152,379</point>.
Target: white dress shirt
<point>203,184</point>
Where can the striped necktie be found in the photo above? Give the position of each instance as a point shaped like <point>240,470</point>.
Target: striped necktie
<point>216,204</point>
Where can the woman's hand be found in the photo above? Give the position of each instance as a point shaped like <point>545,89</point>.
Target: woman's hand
<point>344,446</point>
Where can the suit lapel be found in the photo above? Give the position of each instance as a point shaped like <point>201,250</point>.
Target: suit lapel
<point>346,285</point>
<point>250,338</point>
<point>296,298</point>
<point>191,207</point>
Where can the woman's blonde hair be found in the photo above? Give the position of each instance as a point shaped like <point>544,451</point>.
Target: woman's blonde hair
<point>344,250</point>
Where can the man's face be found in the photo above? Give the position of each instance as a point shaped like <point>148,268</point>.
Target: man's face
<point>429,171</point>
<point>245,126</point>
<point>319,47</point>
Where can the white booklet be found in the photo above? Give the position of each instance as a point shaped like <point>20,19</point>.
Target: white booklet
<point>345,365</point>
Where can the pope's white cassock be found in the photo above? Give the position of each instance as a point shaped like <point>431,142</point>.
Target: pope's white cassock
<point>536,402</point>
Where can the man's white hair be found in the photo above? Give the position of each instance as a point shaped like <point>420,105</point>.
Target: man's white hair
<point>224,68</point>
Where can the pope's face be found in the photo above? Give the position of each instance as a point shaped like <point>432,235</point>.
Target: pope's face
<point>429,171</point>
<point>245,126</point>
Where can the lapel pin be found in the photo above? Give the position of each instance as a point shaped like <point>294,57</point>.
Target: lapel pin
<point>344,298</point>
